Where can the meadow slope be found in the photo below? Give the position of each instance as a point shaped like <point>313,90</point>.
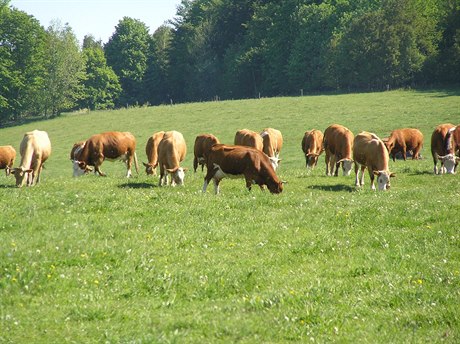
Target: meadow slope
<point>115,260</point>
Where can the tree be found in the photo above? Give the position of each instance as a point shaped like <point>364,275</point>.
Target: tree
<point>65,70</point>
<point>101,87</point>
<point>156,77</point>
<point>22,47</point>
<point>126,52</point>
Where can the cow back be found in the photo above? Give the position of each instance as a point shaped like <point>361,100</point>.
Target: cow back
<point>249,138</point>
<point>35,144</point>
<point>7,156</point>
<point>312,142</point>
<point>171,149</point>
<point>442,143</point>
<point>272,141</point>
<point>369,150</point>
<point>338,140</point>
<point>151,148</point>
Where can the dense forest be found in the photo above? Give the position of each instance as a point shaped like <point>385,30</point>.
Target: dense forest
<point>228,49</point>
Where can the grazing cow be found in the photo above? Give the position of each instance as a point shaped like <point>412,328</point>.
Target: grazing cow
<point>338,144</point>
<point>443,148</point>
<point>112,145</point>
<point>35,149</point>
<point>370,152</point>
<point>171,152</point>
<point>7,156</point>
<point>272,144</point>
<point>404,140</point>
<point>151,150</point>
<point>239,161</point>
<point>249,138</point>
<point>203,144</point>
<point>312,146</point>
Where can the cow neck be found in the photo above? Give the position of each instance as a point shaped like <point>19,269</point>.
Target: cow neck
<point>27,156</point>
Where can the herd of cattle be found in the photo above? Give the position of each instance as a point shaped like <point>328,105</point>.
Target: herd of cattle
<point>253,156</point>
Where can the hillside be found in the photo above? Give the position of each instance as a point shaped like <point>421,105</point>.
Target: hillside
<point>95,259</point>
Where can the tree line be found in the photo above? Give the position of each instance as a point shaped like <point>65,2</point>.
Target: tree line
<point>228,49</point>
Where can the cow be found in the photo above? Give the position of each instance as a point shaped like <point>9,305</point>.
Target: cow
<point>203,144</point>
<point>240,161</point>
<point>171,152</point>
<point>443,148</point>
<point>151,150</point>
<point>249,138</point>
<point>7,156</point>
<point>112,145</point>
<point>370,152</point>
<point>35,149</point>
<point>456,137</point>
<point>404,140</point>
<point>338,144</point>
<point>312,147</point>
<point>272,144</point>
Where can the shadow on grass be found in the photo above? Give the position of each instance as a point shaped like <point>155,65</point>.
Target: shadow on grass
<point>335,188</point>
<point>137,186</point>
<point>421,173</point>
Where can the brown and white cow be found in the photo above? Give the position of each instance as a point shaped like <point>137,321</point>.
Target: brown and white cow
<point>404,140</point>
<point>7,156</point>
<point>370,152</point>
<point>225,161</point>
<point>443,148</point>
<point>312,146</point>
<point>151,150</point>
<point>338,144</point>
<point>272,144</point>
<point>35,149</point>
<point>203,144</point>
<point>112,145</point>
<point>249,138</point>
<point>171,152</point>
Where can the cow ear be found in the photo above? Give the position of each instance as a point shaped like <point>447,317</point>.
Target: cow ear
<point>29,170</point>
<point>284,182</point>
<point>185,169</point>
<point>172,170</point>
<point>377,173</point>
<point>146,165</point>
<point>392,175</point>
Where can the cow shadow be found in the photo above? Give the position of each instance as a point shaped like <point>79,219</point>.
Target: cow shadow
<point>421,173</point>
<point>140,185</point>
<point>334,188</point>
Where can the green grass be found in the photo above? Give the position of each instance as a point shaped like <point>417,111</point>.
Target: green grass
<point>115,260</point>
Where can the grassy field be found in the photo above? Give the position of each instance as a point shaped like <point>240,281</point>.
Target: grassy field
<point>115,260</point>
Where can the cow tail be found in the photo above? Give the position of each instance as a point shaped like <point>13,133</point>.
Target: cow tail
<point>136,165</point>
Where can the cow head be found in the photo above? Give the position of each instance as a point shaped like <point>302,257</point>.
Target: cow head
<point>80,168</point>
<point>8,171</point>
<point>22,175</point>
<point>346,166</point>
<point>450,161</point>
<point>383,179</point>
<point>275,162</point>
<point>150,169</point>
<point>311,159</point>
<point>274,186</point>
<point>177,175</point>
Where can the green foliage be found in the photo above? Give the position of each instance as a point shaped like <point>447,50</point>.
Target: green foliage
<point>22,46</point>
<point>64,70</point>
<point>95,259</point>
<point>101,86</point>
<point>127,52</point>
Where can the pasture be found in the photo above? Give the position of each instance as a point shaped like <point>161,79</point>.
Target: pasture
<point>115,260</point>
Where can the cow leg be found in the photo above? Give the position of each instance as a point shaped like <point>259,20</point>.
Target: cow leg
<point>435,161</point>
<point>216,185</point>
<point>356,174</point>
<point>129,163</point>
<point>371,174</point>
<point>327,163</point>
<point>195,164</point>
<point>361,182</point>
<point>337,166</point>
<point>404,151</point>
